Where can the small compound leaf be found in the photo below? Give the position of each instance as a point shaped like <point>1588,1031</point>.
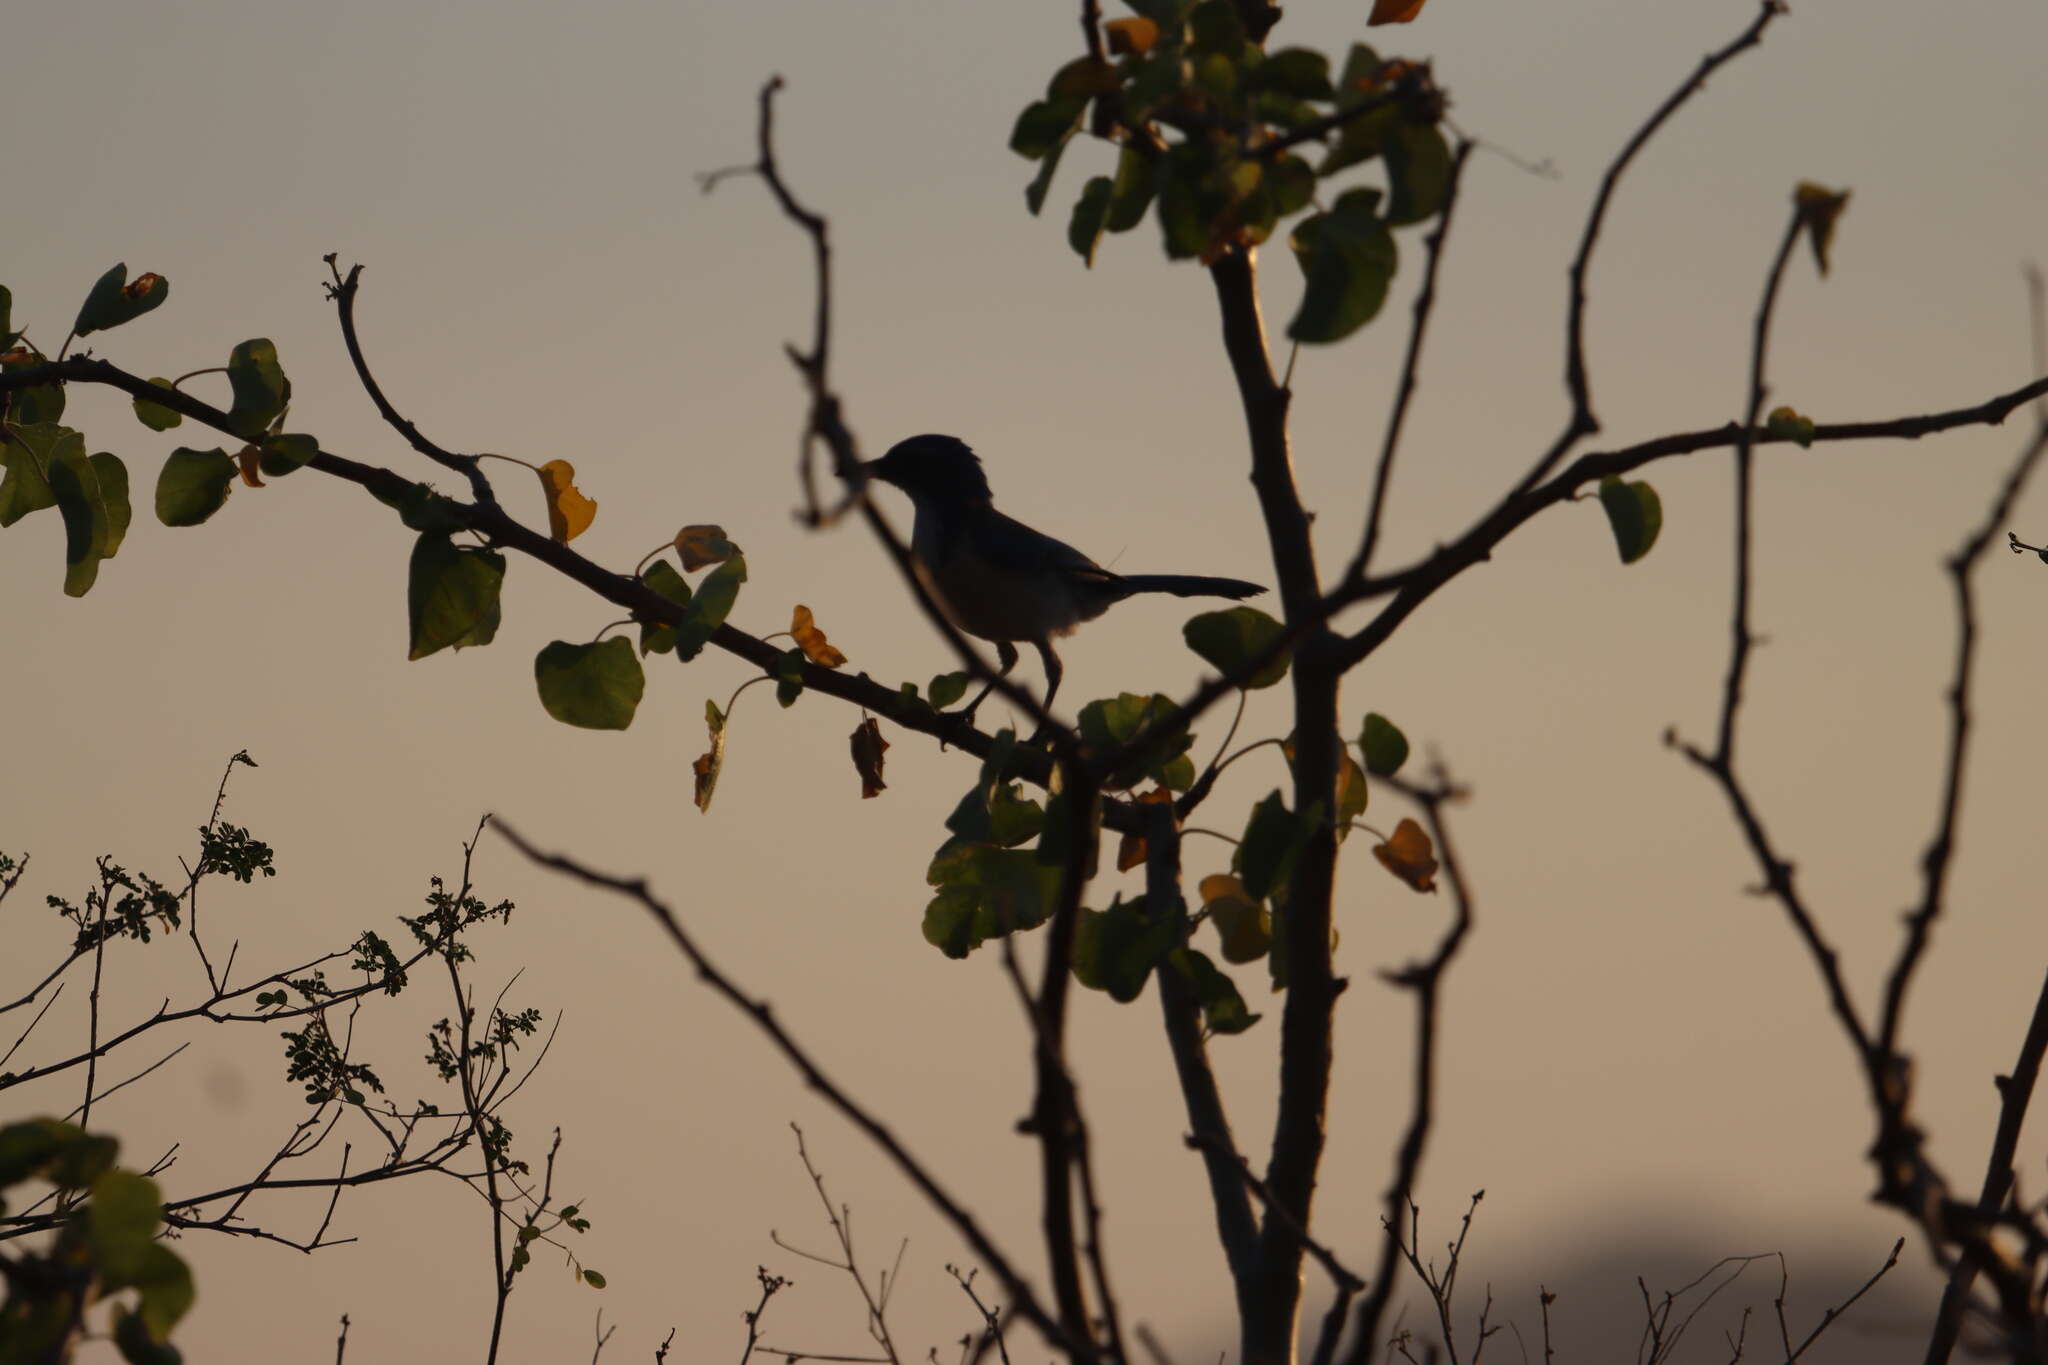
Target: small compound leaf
<point>702,545</point>
<point>569,512</point>
<point>1241,922</point>
<point>31,452</point>
<point>1394,11</point>
<point>154,415</point>
<point>1349,257</point>
<point>1137,36</point>
<point>259,385</point>
<point>452,595</point>
<point>656,638</point>
<point>193,485</point>
<point>1384,746</point>
<point>1635,513</point>
<point>709,607</point>
<point>1409,855</point>
<point>1223,1009</point>
<point>712,762</point>
<point>1820,208</point>
<point>597,686</point>
<point>868,748</point>
<point>946,689</point>
<point>1091,216</point>
<point>1229,640</point>
<point>1786,422</point>
<point>804,630</point>
<point>115,300</point>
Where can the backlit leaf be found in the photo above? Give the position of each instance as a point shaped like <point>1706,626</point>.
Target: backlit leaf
<point>30,452</point>
<point>1635,514</point>
<point>193,485</point>
<point>569,512</point>
<point>1223,1008</point>
<point>1230,640</point>
<point>249,461</point>
<point>92,494</point>
<point>1273,839</point>
<point>657,638</point>
<point>115,299</point>
<point>946,689</point>
<point>812,641</point>
<point>1241,922</point>
<point>259,385</point>
<point>451,595</point>
<point>1820,208</point>
<point>1409,855</point>
<point>1394,11</point>
<point>702,545</point>
<point>1349,258</point>
<point>1384,746</point>
<point>1418,172</point>
<point>1138,35</point>
<point>709,607</point>
<point>154,415</point>
<point>1091,216</point>
<point>596,686</point>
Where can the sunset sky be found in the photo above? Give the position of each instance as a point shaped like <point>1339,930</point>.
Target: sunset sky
<point>1635,1046</point>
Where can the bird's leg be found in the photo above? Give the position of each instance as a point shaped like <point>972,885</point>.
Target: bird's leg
<point>1006,655</point>
<point>1053,672</point>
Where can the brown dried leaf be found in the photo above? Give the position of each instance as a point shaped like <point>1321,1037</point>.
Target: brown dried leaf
<point>1394,11</point>
<point>1130,850</point>
<point>702,545</point>
<point>710,764</point>
<point>1131,35</point>
<point>247,458</point>
<point>812,641</point>
<point>1409,855</point>
<point>1819,209</point>
<point>868,747</point>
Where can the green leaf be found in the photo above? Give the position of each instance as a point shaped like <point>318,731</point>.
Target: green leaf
<point>420,508</point>
<point>1787,422</point>
<point>1223,1009</point>
<point>1113,722</point>
<point>1361,137</point>
<point>1273,838</point>
<point>1418,173</point>
<point>114,301</point>
<point>661,576</point>
<point>286,454</point>
<point>131,1335</point>
<point>597,686</point>
<point>1349,257</point>
<point>1041,184</point>
<point>985,892</point>
<point>1044,125</point>
<point>1091,215</point>
<point>193,485</point>
<point>789,677</point>
<point>1384,746</point>
<point>260,388</point>
<point>92,493</point>
<point>1243,925</point>
<point>708,609</point>
<point>451,595</point>
<point>1229,640</point>
<point>167,1290</point>
<point>946,689</point>
<point>1296,71</point>
<point>36,1148</point>
<point>1116,949</point>
<point>121,1221</point>
<point>1635,513</point>
<point>593,1279</point>
<point>1130,194</point>
<point>31,452</point>
<point>154,415</point>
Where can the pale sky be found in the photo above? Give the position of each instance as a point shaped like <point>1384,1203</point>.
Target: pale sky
<point>1633,1042</point>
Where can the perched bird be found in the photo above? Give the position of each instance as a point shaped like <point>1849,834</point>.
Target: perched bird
<point>995,577</point>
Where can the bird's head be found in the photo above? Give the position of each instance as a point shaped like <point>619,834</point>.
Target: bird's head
<point>939,468</point>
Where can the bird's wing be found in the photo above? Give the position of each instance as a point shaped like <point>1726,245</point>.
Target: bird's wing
<point>1010,545</point>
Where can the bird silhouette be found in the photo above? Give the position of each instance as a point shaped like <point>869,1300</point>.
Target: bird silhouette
<point>998,579</point>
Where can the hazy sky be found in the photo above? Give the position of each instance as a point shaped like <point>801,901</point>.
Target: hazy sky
<point>1631,1037</point>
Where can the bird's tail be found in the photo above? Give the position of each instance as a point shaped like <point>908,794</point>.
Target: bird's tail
<point>1191,585</point>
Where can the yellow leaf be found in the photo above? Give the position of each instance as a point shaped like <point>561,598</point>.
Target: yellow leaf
<point>1819,208</point>
<point>812,641</point>
<point>247,458</point>
<point>1394,11</point>
<point>569,512</point>
<point>868,746</point>
<point>702,545</point>
<point>1131,35</point>
<point>1409,855</point>
<point>1130,850</point>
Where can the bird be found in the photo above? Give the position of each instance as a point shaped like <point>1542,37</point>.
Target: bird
<point>996,578</point>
